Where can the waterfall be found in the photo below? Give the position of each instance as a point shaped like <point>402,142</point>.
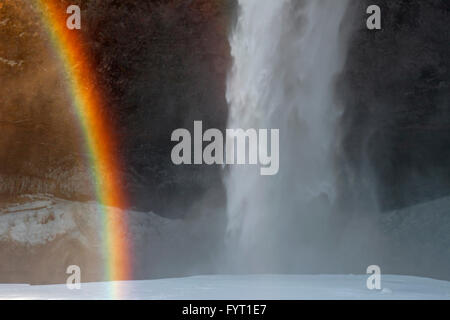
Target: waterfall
<point>286,54</point>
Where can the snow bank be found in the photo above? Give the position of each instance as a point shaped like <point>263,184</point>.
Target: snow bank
<point>303,287</point>
<point>416,240</point>
<point>40,236</point>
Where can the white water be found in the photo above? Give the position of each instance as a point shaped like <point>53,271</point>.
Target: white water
<point>286,56</point>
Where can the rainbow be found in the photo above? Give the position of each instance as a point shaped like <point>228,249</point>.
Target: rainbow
<point>99,136</point>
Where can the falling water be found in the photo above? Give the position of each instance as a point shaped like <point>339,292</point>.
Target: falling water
<point>286,56</point>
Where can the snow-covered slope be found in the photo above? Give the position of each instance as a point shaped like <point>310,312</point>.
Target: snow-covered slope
<point>40,236</point>
<point>242,287</point>
<point>416,240</point>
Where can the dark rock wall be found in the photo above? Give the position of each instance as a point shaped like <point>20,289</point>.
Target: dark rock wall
<point>161,65</point>
<point>395,88</point>
<point>165,64</point>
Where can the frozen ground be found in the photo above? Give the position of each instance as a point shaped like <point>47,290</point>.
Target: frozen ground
<point>41,235</point>
<point>218,287</point>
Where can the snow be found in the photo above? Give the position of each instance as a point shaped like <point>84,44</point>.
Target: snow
<point>41,235</point>
<point>36,222</point>
<point>243,287</point>
<point>46,233</point>
<point>42,219</point>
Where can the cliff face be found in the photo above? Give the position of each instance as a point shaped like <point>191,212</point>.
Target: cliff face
<point>161,65</point>
<point>164,64</point>
<point>395,89</point>
<point>38,128</point>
